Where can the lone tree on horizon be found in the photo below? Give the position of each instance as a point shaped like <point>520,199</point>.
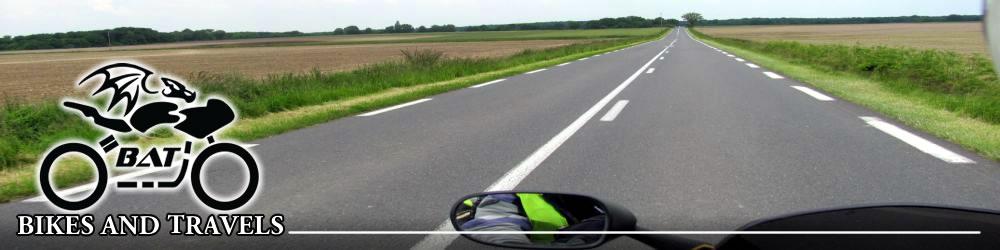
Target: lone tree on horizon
<point>692,18</point>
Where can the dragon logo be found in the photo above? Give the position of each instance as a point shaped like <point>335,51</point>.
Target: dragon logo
<point>132,106</point>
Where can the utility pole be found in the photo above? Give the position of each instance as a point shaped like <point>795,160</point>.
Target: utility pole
<point>109,40</point>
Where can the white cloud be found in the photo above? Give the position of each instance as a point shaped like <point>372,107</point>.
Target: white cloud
<point>109,7</point>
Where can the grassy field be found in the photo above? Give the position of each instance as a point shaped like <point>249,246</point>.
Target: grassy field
<point>39,76</point>
<point>282,102</point>
<point>374,38</point>
<point>953,96</point>
<point>33,76</point>
<point>966,38</point>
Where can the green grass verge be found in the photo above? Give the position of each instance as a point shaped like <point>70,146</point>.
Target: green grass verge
<point>281,103</point>
<point>914,106</point>
<point>965,84</point>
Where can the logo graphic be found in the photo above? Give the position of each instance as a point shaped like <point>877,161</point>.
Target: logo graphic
<point>133,106</point>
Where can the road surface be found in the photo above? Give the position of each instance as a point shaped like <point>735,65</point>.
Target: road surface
<point>686,136</point>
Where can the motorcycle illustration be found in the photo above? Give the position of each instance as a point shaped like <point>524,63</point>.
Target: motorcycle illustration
<point>127,81</point>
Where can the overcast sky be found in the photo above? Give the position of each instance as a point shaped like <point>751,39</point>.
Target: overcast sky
<point>21,17</point>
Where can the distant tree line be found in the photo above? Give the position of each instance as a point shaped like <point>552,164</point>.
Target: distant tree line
<point>395,28</point>
<point>603,23</point>
<point>844,20</point>
<point>125,36</point>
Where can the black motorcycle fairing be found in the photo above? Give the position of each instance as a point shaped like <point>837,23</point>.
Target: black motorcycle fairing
<point>875,218</point>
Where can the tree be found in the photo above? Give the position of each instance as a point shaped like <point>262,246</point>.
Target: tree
<point>352,30</point>
<point>338,31</point>
<point>405,28</point>
<point>693,18</point>
<point>673,22</point>
<point>659,22</point>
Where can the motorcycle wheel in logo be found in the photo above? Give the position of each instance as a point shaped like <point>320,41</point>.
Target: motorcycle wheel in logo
<point>127,82</point>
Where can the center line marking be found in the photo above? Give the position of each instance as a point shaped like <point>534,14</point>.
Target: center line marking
<point>487,83</point>
<point>394,107</point>
<point>730,55</point>
<point>650,70</point>
<point>613,112</point>
<point>661,58</point>
<point>740,60</point>
<point>813,93</point>
<point>514,177</point>
<point>535,71</point>
<point>916,141</point>
<point>753,65</point>
<point>563,64</point>
<point>772,75</point>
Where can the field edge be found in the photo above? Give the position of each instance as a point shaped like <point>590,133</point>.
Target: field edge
<point>970,133</point>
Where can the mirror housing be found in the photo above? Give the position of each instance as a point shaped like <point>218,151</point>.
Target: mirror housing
<point>991,28</point>
<point>889,217</point>
<point>538,212</point>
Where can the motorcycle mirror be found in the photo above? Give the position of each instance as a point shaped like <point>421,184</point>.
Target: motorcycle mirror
<point>991,25</point>
<point>538,220</point>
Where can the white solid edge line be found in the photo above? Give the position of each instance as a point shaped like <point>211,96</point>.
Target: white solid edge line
<point>581,59</point>
<point>740,60</point>
<point>813,93</point>
<point>650,70</point>
<point>772,75</point>
<point>614,110</point>
<point>487,83</point>
<point>916,141</point>
<point>562,64</point>
<point>394,107</point>
<point>513,177</point>
<point>455,233</point>
<point>90,186</point>
<point>753,65</point>
<point>534,71</point>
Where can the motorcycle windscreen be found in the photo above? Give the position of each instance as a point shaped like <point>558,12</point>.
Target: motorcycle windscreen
<point>884,218</point>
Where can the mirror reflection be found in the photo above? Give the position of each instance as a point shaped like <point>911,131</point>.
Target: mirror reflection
<point>531,212</point>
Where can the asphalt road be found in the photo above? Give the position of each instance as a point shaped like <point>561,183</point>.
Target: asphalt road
<point>705,142</point>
